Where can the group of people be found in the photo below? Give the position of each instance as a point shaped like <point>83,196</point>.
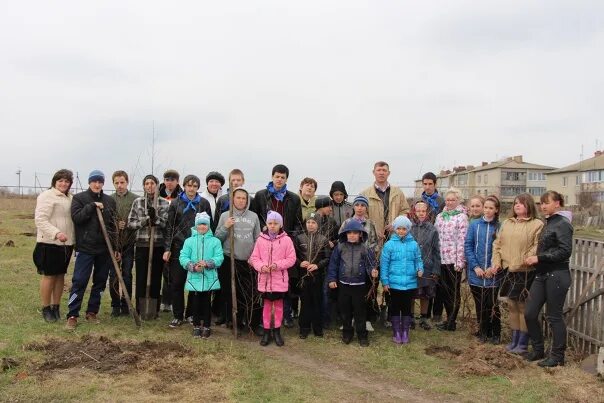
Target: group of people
<point>323,257</point>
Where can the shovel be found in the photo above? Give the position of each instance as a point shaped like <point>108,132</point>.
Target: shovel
<point>149,305</point>
<point>117,268</point>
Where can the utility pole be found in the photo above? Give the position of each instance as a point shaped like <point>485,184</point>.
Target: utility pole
<point>153,150</point>
<point>19,175</point>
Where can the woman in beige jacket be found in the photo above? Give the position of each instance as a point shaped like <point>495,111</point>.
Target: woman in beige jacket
<point>55,240</point>
<point>517,239</point>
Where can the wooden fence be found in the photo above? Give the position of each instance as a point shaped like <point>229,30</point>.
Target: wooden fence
<point>586,327</point>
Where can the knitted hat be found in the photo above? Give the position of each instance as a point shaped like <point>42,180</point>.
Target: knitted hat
<point>202,218</point>
<point>274,216</point>
<point>314,217</point>
<point>215,175</point>
<point>360,199</point>
<point>171,174</point>
<point>322,202</point>
<point>402,221</point>
<point>152,177</point>
<point>96,176</point>
<point>338,186</point>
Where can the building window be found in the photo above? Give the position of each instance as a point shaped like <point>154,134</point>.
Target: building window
<point>485,192</point>
<point>577,180</point>
<point>512,191</point>
<point>477,178</point>
<point>511,176</point>
<point>566,200</point>
<point>536,176</point>
<point>486,176</point>
<point>536,191</point>
<point>565,181</point>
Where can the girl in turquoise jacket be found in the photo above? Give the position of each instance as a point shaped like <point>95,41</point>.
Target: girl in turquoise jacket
<point>400,266</point>
<point>201,256</point>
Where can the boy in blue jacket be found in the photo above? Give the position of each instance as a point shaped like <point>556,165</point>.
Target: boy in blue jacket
<point>351,264</point>
<point>400,266</point>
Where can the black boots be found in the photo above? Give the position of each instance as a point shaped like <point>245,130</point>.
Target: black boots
<point>266,337</point>
<point>48,314</point>
<point>55,310</point>
<point>278,339</point>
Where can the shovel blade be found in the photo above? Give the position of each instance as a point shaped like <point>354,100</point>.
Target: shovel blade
<point>148,308</point>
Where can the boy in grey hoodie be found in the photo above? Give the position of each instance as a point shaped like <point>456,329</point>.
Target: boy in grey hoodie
<point>246,228</point>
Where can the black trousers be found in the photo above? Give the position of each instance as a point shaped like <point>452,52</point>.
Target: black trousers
<point>249,311</point>
<point>487,310</point>
<point>142,262</point>
<point>166,291</point>
<point>126,264</point>
<point>449,292</point>
<point>551,289</point>
<point>311,312</point>
<point>178,278</point>
<point>200,308</point>
<point>351,302</point>
<point>401,302</point>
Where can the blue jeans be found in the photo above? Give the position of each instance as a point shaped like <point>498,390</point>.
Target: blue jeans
<point>84,264</point>
<point>127,263</point>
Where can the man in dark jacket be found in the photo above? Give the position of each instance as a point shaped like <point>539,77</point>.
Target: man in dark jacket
<point>91,248</point>
<point>181,218</point>
<point>277,198</point>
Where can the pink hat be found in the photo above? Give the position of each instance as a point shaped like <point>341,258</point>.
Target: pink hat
<point>274,216</point>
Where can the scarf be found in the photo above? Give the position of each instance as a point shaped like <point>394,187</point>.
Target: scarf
<point>277,194</point>
<point>191,204</point>
<point>447,214</point>
<point>432,200</point>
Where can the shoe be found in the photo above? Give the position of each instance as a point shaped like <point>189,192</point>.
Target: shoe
<point>48,314</point>
<point>405,326</point>
<point>447,326</point>
<point>495,340</point>
<point>423,323</point>
<point>92,317</point>
<point>304,333</point>
<point>522,346</point>
<point>197,332</point>
<point>165,307</point>
<point>288,323</point>
<point>397,330</point>
<point>266,337</point>
<point>437,319</point>
<point>550,362</point>
<point>318,333</point>
<point>259,331</point>
<point>206,332</point>
<point>175,323</point>
<point>535,355</point>
<point>116,311</point>
<point>56,311</point>
<point>346,338</point>
<point>514,342</point>
<point>369,327</point>
<point>72,323</point>
<point>364,342</point>
<point>277,336</point>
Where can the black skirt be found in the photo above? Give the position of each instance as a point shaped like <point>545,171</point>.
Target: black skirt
<point>52,260</point>
<point>516,285</point>
<point>273,296</point>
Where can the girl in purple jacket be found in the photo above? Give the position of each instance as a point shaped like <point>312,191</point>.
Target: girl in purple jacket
<point>273,254</point>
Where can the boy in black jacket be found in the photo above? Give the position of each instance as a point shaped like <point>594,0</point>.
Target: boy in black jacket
<point>91,248</point>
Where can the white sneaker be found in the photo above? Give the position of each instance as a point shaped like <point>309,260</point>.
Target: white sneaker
<point>368,326</point>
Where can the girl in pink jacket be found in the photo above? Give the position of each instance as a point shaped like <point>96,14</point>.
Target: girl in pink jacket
<point>273,254</point>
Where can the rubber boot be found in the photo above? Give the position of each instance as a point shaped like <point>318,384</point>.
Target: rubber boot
<point>48,314</point>
<point>514,342</point>
<point>405,331</point>
<point>277,335</point>
<point>56,311</point>
<point>397,330</point>
<point>522,346</point>
<point>266,337</point>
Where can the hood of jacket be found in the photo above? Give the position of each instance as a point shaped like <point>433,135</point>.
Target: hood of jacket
<point>352,225</point>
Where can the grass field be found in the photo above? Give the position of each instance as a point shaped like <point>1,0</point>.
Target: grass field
<point>114,361</point>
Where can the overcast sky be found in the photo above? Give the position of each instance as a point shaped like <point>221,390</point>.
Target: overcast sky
<point>325,87</point>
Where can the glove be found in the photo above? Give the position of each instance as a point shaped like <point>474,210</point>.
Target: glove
<point>152,215</point>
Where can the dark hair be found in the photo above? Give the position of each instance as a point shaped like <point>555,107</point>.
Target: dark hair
<point>381,164</point>
<point>552,195</point>
<point>119,173</point>
<point>310,181</point>
<point>429,176</point>
<point>62,174</point>
<point>282,169</point>
<point>191,178</point>
<point>496,202</point>
<point>527,201</point>
<point>236,171</point>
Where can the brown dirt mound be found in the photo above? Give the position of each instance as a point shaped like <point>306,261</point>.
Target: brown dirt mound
<point>481,359</point>
<point>104,355</point>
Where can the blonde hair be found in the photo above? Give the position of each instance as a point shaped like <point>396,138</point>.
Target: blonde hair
<point>456,192</point>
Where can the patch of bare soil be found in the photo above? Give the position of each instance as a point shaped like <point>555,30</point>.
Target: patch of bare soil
<point>103,355</point>
<point>28,234</point>
<point>25,216</point>
<point>480,359</point>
